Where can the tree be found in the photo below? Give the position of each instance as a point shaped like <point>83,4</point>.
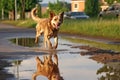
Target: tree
<point>22,9</point>
<point>4,10</point>
<point>92,7</point>
<point>2,7</point>
<point>22,6</point>
<point>39,13</point>
<point>58,6</point>
<point>27,5</point>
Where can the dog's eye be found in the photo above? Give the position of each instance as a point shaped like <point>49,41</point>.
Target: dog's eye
<point>55,19</point>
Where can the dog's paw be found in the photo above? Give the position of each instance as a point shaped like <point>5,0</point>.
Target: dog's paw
<point>54,47</point>
<point>36,41</point>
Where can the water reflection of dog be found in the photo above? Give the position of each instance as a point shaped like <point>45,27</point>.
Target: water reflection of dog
<point>48,68</point>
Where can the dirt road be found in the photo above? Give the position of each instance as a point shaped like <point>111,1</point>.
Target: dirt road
<point>7,32</point>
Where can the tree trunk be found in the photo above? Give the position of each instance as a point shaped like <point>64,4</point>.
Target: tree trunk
<point>15,10</point>
<point>23,10</point>
<point>2,13</point>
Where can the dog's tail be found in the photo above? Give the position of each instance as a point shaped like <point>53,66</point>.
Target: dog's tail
<point>35,18</point>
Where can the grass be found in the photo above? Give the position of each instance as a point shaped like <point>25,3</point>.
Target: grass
<point>93,27</point>
<point>95,44</point>
<point>21,23</point>
<point>109,28</point>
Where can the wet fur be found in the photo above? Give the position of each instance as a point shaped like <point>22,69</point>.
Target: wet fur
<point>49,27</point>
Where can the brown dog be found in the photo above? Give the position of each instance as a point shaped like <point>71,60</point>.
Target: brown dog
<point>48,68</point>
<point>48,26</point>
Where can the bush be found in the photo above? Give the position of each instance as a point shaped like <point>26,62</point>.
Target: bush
<point>92,7</point>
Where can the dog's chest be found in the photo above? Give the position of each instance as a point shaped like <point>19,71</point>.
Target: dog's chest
<point>53,33</point>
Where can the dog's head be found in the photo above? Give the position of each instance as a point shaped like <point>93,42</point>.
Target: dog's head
<point>56,20</point>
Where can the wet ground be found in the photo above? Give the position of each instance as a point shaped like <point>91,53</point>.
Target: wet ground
<point>76,61</point>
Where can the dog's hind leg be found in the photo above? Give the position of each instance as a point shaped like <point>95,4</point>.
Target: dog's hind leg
<point>39,32</point>
<point>37,36</point>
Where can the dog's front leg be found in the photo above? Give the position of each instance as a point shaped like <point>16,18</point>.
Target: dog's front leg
<point>47,39</point>
<point>55,42</point>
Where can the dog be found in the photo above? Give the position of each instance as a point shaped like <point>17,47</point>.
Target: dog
<point>49,27</point>
<point>47,68</point>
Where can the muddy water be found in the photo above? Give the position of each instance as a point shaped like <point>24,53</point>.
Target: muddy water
<point>72,65</point>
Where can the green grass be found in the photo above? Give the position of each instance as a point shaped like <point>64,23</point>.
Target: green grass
<point>95,44</point>
<point>93,27</point>
<point>21,23</point>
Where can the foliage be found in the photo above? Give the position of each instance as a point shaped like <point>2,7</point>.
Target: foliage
<point>111,1</point>
<point>9,7</point>
<point>39,13</point>
<point>29,4</point>
<point>22,6</point>
<point>92,7</point>
<point>57,7</point>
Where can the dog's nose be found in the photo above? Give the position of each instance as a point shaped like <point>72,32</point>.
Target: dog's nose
<point>58,24</point>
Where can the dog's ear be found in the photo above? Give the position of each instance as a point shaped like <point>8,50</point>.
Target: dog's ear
<point>52,14</point>
<point>61,15</point>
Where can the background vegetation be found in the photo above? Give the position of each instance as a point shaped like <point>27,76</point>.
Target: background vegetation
<point>111,1</point>
<point>92,7</point>
<point>57,7</point>
<point>22,6</point>
<point>109,28</point>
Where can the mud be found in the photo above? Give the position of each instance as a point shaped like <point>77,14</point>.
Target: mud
<point>100,55</point>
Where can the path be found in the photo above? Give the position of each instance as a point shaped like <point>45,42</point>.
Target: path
<point>7,32</point>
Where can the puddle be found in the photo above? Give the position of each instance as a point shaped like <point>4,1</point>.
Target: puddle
<point>72,67</point>
<point>26,42</point>
<point>71,64</point>
<point>115,43</point>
